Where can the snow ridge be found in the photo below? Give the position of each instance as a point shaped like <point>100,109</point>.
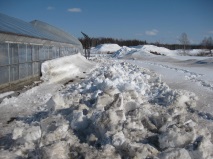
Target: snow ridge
<point>64,68</point>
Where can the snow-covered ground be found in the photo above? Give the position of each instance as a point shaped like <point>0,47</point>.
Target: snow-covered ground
<point>133,105</point>
<point>192,73</point>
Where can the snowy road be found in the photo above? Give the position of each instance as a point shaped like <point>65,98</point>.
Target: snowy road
<point>187,75</point>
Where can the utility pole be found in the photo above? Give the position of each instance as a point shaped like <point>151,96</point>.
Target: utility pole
<point>87,44</point>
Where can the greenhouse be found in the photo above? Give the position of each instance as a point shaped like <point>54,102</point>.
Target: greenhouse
<point>24,46</point>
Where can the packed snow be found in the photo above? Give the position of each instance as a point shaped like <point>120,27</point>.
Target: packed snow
<point>116,107</point>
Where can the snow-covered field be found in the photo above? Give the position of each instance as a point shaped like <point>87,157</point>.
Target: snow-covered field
<point>132,105</point>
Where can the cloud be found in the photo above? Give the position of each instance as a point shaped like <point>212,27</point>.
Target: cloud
<point>50,8</point>
<point>74,10</point>
<point>151,32</point>
<point>211,32</point>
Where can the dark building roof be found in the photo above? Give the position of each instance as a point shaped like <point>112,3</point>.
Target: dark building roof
<point>35,29</point>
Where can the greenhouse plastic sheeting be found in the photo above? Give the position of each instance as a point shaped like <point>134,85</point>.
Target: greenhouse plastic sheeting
<point>36,29</point>
<point>21,61</point>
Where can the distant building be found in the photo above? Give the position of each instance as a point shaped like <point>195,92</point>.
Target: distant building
<point>24,46</point>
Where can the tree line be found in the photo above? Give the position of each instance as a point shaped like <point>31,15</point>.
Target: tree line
<point>121,42</point>
<point>206,43</point>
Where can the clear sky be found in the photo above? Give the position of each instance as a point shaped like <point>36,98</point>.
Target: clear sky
<point>152,20</point>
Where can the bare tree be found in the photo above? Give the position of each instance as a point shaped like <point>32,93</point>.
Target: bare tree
<point>208,43</point>
<point>184,41</point>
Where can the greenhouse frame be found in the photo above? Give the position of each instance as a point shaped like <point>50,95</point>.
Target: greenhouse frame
<point>24,46</point>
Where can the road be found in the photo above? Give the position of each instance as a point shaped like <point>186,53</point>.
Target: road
<point>193,74</point>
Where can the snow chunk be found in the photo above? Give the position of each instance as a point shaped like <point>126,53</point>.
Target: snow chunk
<point>5,154</point>
<point>17,133</point>
<point>32,134</point>
<point>118,139</point>
<point>176,137</point>
<point>27,133</point>
<point>58,150</point>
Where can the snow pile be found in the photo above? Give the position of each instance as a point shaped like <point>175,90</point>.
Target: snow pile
<point>151,50</point>
<point>124,51</point>
<point>120,111</point>
<point>156,49</point>
<point>105,48</point>
<point>64,68</point>
<point>142,50</point>
<point>167,52</point>
<point>199,52</point>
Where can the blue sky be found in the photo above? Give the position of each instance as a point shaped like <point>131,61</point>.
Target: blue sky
<point>151,20</point>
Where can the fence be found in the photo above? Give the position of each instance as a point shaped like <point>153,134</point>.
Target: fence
<point>20,62</point>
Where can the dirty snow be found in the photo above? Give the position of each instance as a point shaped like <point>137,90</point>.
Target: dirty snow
<point>119,110</point>
<point>2,95</point>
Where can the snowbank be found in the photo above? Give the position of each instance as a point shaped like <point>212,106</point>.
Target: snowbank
<point>143,50</point>
<point>124,51</point>
<point>160,50</point>
<point>120,111</point>
<point>64,68</point>
<point>105,48</point>
<point>151,50</point>
<point>199,52</point>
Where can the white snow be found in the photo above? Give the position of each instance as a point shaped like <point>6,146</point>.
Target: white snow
<point>161,50</point>
<point>105,48</point>
<point>64,67</point>
<point>120,110</point>
<point>2,95</point>
<point>149,50</point>
<point>195,52</point>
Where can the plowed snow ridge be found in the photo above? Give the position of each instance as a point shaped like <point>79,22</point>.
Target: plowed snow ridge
<point>119,111</point>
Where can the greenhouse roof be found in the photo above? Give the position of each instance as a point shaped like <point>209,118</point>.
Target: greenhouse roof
<point>35,29</point>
